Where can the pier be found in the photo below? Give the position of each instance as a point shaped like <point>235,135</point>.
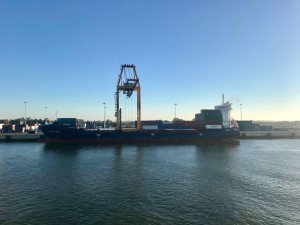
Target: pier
<point>269,134</point>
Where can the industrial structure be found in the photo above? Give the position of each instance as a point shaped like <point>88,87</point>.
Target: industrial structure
<point>128,82</point>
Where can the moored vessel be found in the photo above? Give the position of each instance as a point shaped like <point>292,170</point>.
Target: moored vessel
<point>59,132</point>
<point>207,125</point>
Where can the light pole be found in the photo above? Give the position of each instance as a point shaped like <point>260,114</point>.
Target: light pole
<point>241,117</point>
<point>104,109</point>
<point>46,112</point>
<point>25,114</point>
<point>175,110</point>
<point>241,111</point>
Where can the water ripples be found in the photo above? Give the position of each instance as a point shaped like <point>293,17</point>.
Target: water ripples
<point>247,182</point>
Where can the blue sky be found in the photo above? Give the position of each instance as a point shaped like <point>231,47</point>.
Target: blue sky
<point>66,56</point>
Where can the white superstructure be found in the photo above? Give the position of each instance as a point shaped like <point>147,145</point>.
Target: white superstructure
<point>225,109</point>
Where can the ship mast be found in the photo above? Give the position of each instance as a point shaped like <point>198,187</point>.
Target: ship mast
<point>128,82</point>
<point>222,99</point>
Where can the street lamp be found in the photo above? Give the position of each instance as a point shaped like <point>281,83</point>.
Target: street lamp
<point>46,112</point>
<point>241,112</point>
<point>104,109</point>
<point>175,110</point>
<point>241,117</point>
<point>25,114</point>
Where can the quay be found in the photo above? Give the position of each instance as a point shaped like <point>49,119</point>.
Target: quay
<point>269,134</point>
<point>21,136</point>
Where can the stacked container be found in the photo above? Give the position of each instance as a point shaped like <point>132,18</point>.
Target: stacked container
<point>209,118</point>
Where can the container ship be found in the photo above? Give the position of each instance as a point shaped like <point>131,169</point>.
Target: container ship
<point>208,125</point>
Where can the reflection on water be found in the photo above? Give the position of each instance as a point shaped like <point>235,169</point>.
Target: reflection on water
<point>242,182</point>
<point>69,148</point>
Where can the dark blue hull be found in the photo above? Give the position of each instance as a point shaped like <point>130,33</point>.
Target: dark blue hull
<point>60,133</point>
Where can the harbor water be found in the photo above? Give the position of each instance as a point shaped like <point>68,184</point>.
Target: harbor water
<point>240,182</point>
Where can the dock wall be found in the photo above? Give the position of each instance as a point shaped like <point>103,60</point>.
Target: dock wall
<point>20,136</point>
<point>269,134</point>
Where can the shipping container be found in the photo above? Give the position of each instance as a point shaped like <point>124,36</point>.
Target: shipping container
<point>209,116</point>
<point>71,122</point>
<point>246,125</point>
<point>149,122</point>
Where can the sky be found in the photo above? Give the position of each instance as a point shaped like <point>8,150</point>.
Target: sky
<point>66,56</point>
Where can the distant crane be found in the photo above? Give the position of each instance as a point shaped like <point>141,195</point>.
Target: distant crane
<point>128,83</point>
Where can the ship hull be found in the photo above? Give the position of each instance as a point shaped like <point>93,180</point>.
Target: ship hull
<point>58,134</point>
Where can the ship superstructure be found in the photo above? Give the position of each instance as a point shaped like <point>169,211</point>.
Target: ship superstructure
<point>225,109</point>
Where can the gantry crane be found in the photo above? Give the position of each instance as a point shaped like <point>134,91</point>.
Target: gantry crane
<point>128,83</point>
